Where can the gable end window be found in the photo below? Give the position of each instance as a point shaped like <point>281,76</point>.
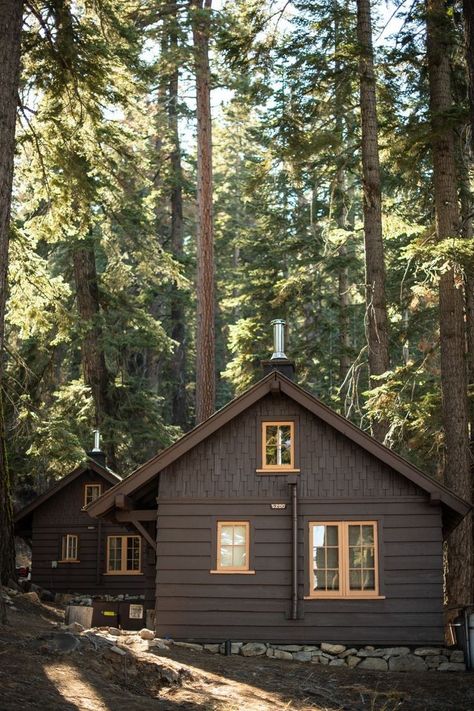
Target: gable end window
<point>91,493</point>
<point>233,547</point>
<point>343,560</point>
<point>278,446</point>
<point>123,555</point>
<point>69,548</point>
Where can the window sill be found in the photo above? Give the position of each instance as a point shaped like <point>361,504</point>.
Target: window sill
<point>277,471</point>
<point>344,597</point>
<point>232,572</point>
<point>69,561</point>
<point>123,572</point>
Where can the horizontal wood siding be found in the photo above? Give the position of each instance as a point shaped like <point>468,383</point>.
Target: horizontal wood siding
<point>194,604</point>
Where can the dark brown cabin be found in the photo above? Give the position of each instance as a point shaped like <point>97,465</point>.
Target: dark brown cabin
<point>72,553</point>
<point>278,520</point>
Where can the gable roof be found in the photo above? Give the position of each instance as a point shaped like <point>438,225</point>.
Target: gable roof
<point>87,465</point>
<point>274,382</point>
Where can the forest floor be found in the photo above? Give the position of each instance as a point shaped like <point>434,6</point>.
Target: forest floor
<point>92,678</point>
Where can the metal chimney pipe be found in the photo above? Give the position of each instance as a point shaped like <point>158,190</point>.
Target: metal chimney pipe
<point>278,338</point>
<point>96,441</point>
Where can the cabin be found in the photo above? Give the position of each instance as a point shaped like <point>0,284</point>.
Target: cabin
<point>278,520</point>
<point>73,554</point>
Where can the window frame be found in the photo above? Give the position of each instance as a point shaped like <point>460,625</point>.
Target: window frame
<point>344,592</point>
<point>232,570</point>
<point>65,541</point>
<point>123,561</point>
<point>263,454</point>
<point>89,486</point>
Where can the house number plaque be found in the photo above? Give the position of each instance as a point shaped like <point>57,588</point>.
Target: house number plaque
<point>278,506</point>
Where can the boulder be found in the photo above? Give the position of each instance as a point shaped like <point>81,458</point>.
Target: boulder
<point>322,659</point>
<point>396,651</point>
<point>302,656</point>
<point>114,631</point>
<point>289,647</point>
<point>157,644</point>
<point>427,651</point>
<point>146,634</point>
<point>31,596</point>
<point>410,662</point>
<point>434,662</point>
<point>452,666</point>
<point>352,661</point>
<point>370,653</point>
<point>348,653</point>
<point>281,654</point>
<point>375,663</point>
<point>253,649</point>
<point>117,650</point>
<point>213,648</point>
<point>75,627</point>
<point>457,657</point>
<point>236,647</point>
<point>270,652</point>
<point>337,663</point>
<point>333,648</point>
<point>59,642</point>
<point>186,645</point>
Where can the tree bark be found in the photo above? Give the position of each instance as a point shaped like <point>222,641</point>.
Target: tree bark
<point>376,309</point>
<point>457,470</point>
<point>205,332</point>
<point>11,12</point>
<point>468,13</point>
<point>96,375</point>
<point>178,328</point>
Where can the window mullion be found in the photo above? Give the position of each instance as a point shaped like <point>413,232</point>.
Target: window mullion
<point>344,563</point>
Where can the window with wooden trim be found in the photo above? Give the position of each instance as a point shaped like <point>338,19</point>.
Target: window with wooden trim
<point>91,493</point>
<point>123,555</point>
<point>233,544</point>
<point>278,445</point>
<point>69,548</point>
<point>343,559</point>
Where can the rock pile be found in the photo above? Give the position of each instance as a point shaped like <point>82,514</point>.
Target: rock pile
<point>338,655</point>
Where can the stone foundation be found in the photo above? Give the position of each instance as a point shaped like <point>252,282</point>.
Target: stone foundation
<point>338,655</point>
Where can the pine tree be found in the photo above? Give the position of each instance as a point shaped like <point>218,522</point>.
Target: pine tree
<point>451,302</point>
<point>205,333</point>
<point>10,43</point>
<point>376,310</point>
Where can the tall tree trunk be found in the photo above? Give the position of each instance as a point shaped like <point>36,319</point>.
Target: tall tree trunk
<point>96,375</point>
<point>468,13</point>
<point>376,309</point>
<point>457,471</point>
<point>11,12</point>
<point>178,329</point>
<point>205,333</point>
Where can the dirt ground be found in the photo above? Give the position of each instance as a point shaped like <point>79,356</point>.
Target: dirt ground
<point>90,679</point>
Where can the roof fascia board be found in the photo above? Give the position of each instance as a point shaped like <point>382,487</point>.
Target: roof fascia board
<point>141,475</point>
<point>62,483</point>
<point>359,437</point>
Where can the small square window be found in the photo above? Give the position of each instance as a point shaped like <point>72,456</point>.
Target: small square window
<point>91,493</point>
<point>278,446</point>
